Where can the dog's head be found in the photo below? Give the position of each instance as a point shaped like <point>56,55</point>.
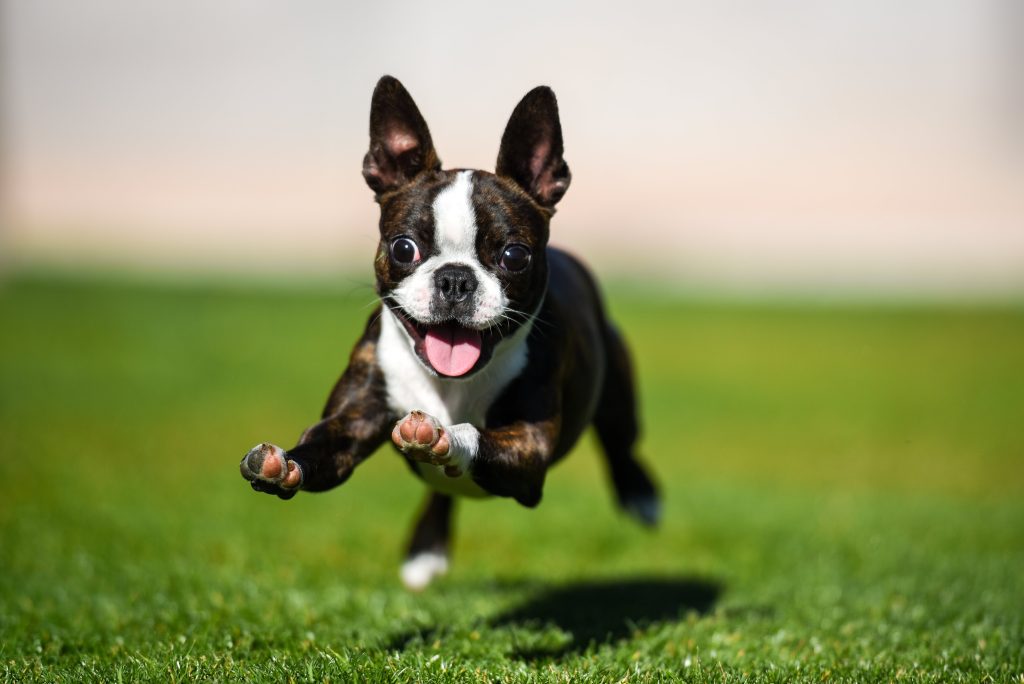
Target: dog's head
<point>462,260</point>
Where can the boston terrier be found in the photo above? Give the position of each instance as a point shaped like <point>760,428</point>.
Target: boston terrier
<point>490,352</point>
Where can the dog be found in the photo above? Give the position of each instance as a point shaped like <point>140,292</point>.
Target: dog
<point>490,352</point>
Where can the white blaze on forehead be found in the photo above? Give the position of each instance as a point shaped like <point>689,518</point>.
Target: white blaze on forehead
<point>455,219</point>
<point>455,232</point>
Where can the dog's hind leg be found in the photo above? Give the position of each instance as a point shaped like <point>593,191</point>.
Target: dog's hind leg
<point>618,428</point>
<point>427,556</point>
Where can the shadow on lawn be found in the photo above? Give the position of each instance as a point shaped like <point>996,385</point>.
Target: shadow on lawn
<point>609,610</point>
<point>600,611</point>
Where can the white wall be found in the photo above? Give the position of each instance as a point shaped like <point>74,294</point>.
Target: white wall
<point>861,145</point>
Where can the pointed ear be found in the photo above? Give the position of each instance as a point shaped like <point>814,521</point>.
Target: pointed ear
<point>531,148</point>
<point>400,144</point>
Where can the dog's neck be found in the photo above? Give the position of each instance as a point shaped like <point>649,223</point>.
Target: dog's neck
<point>411,385</point>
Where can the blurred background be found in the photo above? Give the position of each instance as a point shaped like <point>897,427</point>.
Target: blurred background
<point>850,147</point>
<point>809,221</point>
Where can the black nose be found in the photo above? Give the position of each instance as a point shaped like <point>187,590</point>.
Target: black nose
<point>455,283</point>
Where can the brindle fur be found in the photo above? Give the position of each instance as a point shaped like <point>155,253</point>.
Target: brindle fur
<point>578,370</point>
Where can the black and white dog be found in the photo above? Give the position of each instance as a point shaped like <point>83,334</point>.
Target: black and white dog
<point>490,353</point>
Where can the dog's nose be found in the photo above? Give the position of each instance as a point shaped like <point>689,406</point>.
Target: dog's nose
<point>455,283</point>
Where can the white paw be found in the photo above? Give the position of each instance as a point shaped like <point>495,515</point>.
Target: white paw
<point>421,569</point>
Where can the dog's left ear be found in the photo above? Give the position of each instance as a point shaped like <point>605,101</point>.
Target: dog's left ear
<point>531,148</point>
<point>400,144</point>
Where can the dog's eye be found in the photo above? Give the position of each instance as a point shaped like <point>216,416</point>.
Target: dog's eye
<point>515,258</point>
<point>405,251</point>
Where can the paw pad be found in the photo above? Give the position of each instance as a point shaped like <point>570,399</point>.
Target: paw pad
<point>269,464</point>
<point>421,437</point>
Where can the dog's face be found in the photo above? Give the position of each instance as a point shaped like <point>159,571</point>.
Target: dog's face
<point>462,260</point>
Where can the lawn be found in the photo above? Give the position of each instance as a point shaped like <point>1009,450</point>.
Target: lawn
<point>844,501</point>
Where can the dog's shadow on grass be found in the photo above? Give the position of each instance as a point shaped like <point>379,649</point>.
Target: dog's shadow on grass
<point>596,612</point>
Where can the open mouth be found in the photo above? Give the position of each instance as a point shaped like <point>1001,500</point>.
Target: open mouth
<point>451,349</point>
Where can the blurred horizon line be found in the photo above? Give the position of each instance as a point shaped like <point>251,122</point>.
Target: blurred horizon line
<point>351,277</point>
<point>851,146</point>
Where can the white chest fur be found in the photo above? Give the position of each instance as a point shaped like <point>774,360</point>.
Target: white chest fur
<point>453,401</point>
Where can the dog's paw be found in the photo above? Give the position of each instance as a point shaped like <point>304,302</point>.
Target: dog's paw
<point>268,469</point>
<point>420,570</point>
<point>422,438</point>
<point>644,508</point>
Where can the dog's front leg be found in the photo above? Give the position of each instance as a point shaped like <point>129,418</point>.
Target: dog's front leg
<point>507,461</point>
<point>325,456</point>
<point>356,421</point>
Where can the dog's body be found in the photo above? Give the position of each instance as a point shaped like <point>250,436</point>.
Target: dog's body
<point>490,349</point>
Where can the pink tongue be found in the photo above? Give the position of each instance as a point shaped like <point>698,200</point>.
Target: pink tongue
<point>451,349</point>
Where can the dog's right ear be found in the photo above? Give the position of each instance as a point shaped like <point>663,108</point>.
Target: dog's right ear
<point>400,144</point>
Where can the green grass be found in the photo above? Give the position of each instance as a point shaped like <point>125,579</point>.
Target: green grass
<point>844,501</point>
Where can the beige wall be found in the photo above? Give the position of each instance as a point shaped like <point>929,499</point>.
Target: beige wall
<point>864,145</point>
